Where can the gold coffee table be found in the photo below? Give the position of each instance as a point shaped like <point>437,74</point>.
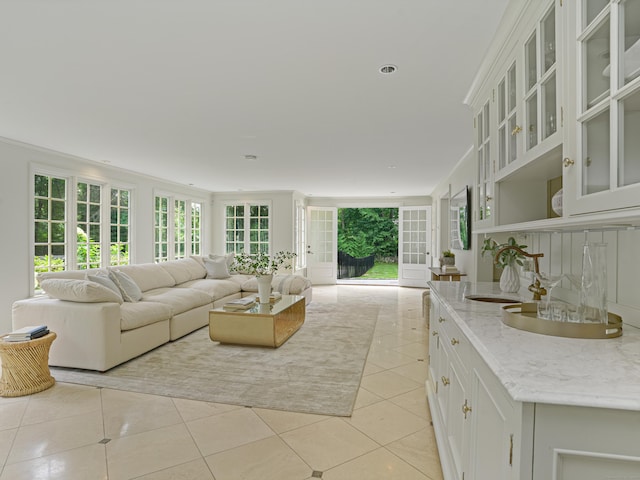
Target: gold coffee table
<point>25,366</point>
<point>268,325</point>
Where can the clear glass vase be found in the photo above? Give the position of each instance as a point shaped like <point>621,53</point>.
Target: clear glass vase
<point>593,285</point>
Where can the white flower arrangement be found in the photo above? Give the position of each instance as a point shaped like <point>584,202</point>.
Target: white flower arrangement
<point>259,264</point>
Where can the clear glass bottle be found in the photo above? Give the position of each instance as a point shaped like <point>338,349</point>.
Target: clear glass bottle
<point>593,285</point>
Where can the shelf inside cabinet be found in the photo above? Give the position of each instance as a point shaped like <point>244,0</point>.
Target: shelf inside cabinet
<point>610,220</point>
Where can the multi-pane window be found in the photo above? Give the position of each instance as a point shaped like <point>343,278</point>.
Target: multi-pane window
<point>50,223</point>
<point>247,228</point>
<point>119,245</point>
<point>178,228</point>
<point>161,240</point>
<point>68,216</point>
<point>88,221</point>
<point>196,229</point>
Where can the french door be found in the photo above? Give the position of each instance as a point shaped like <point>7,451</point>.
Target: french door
<point>322,245</point>
<point>414,246</point>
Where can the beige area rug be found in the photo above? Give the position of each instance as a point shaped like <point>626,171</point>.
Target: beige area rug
<point>318,370</point>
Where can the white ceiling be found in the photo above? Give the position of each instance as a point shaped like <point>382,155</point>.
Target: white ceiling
<point>184,89</point>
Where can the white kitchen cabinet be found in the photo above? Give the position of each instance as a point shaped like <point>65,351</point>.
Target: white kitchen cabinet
<point>484,198</point>
<point>567,424</point>
<point>477,425</point>
<point>519,130</point>
<point>602,151</point>
<point>586,443</point>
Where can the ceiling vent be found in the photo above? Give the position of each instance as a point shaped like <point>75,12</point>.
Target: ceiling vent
<point>388,69</point>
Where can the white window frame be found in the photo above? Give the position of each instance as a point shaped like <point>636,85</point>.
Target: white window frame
<point>172,198</point>
<point>300,230</point>
<point>247,223</point>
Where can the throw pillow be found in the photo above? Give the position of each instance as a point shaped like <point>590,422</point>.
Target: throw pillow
<point>229,258</point>
<point>105,281</point>
<point>73,290</point>
<point>217,268</point>
<point>128,288</point>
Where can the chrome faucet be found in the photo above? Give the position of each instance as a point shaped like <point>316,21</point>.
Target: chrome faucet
<point>537,290</point>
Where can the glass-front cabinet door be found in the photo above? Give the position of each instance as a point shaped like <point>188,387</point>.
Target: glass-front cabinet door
<point>507,119</point>
<point>540,78</point>
<point>484,178</point>
<point>606,167</point>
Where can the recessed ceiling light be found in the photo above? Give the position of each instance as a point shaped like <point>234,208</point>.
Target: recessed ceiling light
<point>391,166</point>
<point>250,157</point>
<point>388,69</point>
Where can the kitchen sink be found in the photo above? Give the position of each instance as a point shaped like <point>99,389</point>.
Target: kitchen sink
<point>489,299</point>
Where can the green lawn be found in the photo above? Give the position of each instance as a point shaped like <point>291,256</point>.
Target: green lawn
<point>382,271</point>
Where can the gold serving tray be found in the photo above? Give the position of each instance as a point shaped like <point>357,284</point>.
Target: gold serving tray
<point>523,316</point>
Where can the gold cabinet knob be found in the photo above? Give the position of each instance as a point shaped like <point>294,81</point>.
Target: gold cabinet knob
<point>488,198</point>
<point>434,333</point>
<point>516,130</point>
<point>466,409</point>
<point>441,319</point>
<point>567,162</point>
<point>454,341</point>
<point>445,381</point>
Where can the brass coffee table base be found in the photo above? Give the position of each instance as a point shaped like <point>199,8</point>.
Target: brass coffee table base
<point>268,325</point>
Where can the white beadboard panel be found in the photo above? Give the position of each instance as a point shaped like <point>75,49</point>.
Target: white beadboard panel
<point>628,268</point>
<point>544,246</point>
<point>611,239</point>
<point>566,258</point>
<point>555,255</point>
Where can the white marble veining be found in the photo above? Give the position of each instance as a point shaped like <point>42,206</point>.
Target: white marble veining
<point>546,369</point>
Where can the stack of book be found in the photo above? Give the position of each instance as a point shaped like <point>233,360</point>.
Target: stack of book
<point>244,303</point>
<point>274,297</point>
<point>450,269</point>
<point>26,333</point>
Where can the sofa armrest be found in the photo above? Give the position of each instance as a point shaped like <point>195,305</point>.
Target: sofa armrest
<point>88,334</point>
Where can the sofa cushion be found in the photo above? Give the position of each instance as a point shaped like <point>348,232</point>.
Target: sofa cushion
<point>285,284</point>
<point>139,314</point>
<point>217,268</point>
<point>128,288</point>
<point>103,279</point>
<point>73,290</point>
<point>184,269</point>
<point>71,274</point>
<point>215,289</point>
<point>178,299</point>
<point>147,275</point>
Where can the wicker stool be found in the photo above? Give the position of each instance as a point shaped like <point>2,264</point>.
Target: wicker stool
<point>25,366</point>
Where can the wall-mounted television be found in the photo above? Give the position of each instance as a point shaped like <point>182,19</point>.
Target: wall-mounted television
<point>460,219</point>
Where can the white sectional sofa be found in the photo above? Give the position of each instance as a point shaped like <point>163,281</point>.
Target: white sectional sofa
<point>99,327</point>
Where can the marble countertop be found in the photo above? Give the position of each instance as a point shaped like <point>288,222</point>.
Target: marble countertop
<point>541,368</point>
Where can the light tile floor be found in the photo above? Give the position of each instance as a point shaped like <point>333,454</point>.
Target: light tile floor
<point>76,432</point>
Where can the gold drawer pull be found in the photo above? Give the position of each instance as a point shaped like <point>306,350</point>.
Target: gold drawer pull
<point>445,381</point>
<point>442,320</point>
<point>516,130</point>
<point>434,333</point>
<point>454,341</point>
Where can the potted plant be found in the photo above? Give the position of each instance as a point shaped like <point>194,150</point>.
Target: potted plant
<point>507,260</point>
<point>447,258</point>
<point>263,266</point>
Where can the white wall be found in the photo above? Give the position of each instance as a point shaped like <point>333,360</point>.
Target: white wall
<point>16,161</point>
<point>462,175</point>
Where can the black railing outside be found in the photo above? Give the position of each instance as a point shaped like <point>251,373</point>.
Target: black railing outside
<point>351,267</point>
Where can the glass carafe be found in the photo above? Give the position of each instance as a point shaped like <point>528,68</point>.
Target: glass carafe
<point>593,285</point>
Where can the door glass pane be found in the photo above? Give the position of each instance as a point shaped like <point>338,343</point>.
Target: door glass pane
<point>511,102</point>
<point>549,106</point>
<point>501,100</point>
<point>531,69</point>
<point>502,146</point>
<point>629,168</point>
<point>532,121</point>
<point>549,40</point>
<point>592,8</point>
<point>595,154</point>
<point>631,56</point>
<point>596,65</point>
<point>513,138</point>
